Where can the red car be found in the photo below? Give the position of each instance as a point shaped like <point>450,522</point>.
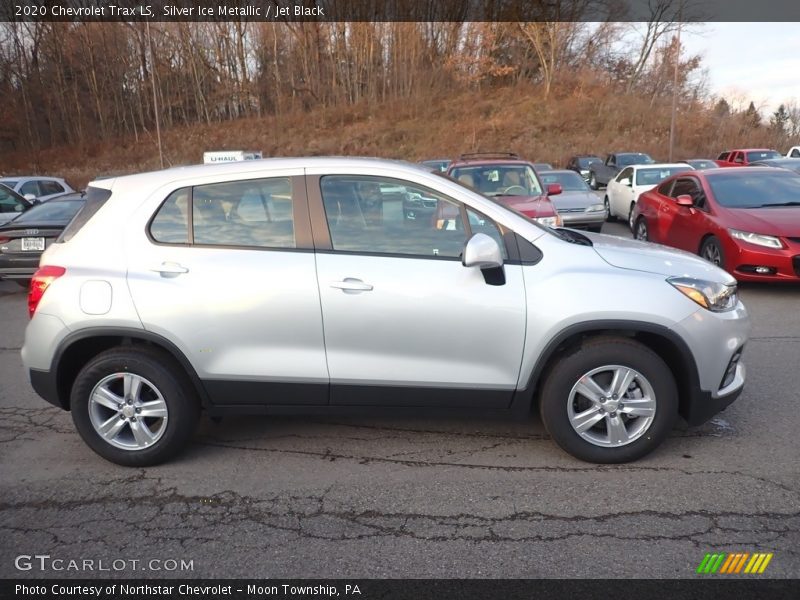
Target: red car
<point>745,156</point>
<point>508,179</point>
<point>746,221</point>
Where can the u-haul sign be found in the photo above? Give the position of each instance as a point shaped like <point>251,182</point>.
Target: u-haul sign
<point>224,156</point>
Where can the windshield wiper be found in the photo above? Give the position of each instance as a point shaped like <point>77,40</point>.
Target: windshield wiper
<point>572,236</point>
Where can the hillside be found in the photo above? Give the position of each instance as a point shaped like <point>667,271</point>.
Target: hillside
<point>574,119</point>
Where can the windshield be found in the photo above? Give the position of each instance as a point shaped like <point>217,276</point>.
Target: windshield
<point>499,180</point>
<point>51,212</point>
<point>570,181</point>
<point>656,176</point>
<point>756,190</point>
<point>763,155</point>
<point>624,160</point>
<point>588,161</point>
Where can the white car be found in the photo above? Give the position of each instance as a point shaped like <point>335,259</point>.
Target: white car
<point>794,152</point>
<point>623,191</point>
<point>39,188</point>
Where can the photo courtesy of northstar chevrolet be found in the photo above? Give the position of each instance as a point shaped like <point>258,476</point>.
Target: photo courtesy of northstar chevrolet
<point>334,286</point>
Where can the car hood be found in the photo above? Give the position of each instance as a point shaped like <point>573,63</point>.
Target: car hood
<point>780,221</point>
<point>567,200</point>
<point>530,206</point>
<point>655,258</point>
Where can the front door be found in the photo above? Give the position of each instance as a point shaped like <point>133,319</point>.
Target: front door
<point>405,323</point>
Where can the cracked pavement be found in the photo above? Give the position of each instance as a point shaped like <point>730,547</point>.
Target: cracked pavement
<point>362,497</point>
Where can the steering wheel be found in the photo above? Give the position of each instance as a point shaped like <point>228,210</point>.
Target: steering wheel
<point>515,187</point>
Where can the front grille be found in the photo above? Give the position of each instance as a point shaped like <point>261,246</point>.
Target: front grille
<point>562,211</point>
<point>796,264</point>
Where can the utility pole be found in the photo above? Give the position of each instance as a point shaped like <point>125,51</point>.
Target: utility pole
<point>155,96</point>
<point>675,87</point>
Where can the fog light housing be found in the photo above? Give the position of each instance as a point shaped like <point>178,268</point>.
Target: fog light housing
<point>730,372</point>
<point>758,269</point>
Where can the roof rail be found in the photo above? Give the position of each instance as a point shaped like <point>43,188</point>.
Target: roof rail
<point>479,155</point>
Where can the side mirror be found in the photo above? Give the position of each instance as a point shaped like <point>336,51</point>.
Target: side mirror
<point>482,251</point>
<point>685,200</point>
<point>626,181</point>
<point>554,189</point>
<point>30,197</point>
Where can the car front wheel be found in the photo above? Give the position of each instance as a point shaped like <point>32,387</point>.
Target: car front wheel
<point>640,232</point>
<point>612,400</point>
<point>134,406</point>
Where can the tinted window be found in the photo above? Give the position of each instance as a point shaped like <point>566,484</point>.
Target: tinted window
<point>93,201</point>
<point>29,187</point>
<point>570,182</point>
<point>255,213</point>
<point>665,188</point>
<point>51,212</point>
<point>795,153</point>
<point>625,174</point>
<point>372,215</point>
<point>655,176</point>
<point>171,223</point>
<point>754,190</point>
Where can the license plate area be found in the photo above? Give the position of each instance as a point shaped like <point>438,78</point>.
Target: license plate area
<point>32,243</point>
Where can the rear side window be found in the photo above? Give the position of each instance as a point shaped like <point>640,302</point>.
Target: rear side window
<point>171,223</point>
<point>50,187</point>
<point>95,199</point>
<point>252,213</point>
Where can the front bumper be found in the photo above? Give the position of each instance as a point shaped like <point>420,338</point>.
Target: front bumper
<point>583,219</point>
<point>783,264</point>
<point>703,405</point>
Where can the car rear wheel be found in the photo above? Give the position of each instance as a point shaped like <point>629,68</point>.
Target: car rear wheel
<point>612,400</point>
<point>134,406</point>
<point>711,250</point>
<point>640,232</point>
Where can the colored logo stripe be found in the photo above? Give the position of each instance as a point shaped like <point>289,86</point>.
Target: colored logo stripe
<point>733,563</point>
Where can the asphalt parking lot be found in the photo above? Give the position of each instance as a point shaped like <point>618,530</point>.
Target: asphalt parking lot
<point>309,497</point>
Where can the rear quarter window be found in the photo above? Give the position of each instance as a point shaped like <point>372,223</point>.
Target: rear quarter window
<point>95,199</point>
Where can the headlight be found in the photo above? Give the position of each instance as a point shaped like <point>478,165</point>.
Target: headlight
<point>549,221</point>
<point>596,208</point>
<point>756,238</point>
<point>716,297</point>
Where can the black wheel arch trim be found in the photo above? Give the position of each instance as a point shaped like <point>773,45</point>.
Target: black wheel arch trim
<point>124,333</point>
<point>689,388</point>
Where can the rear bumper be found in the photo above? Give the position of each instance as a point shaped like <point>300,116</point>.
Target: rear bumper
<point>44,384</point>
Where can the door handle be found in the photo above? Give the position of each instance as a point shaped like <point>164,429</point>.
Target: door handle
<point>170,269</point>
<point>350,284</point>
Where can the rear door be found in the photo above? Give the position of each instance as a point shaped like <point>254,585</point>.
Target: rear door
<point>226,272</point>
<point>405,323</point>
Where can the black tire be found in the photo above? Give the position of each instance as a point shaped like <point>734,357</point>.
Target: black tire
<point>630,217</point>
<point>641,231</point>
<point>609,217</point>
<point>593,181</point>
<point>166,375</point>
<point>711,250</point>
<point>594,354</point>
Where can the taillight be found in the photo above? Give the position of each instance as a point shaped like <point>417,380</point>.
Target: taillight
<point>39,283</point>
<point>3,240</point>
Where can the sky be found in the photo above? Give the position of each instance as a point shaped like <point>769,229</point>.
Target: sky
<point>749,61</point>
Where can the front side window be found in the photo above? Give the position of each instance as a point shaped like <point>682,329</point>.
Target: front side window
<point>9,203</point>
<point>385,216</point>
<point>480,223</point>
<point>29,187</point>
<point>625,174</point>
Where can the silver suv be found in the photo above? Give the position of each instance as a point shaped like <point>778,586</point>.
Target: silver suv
<point>303,286</point>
